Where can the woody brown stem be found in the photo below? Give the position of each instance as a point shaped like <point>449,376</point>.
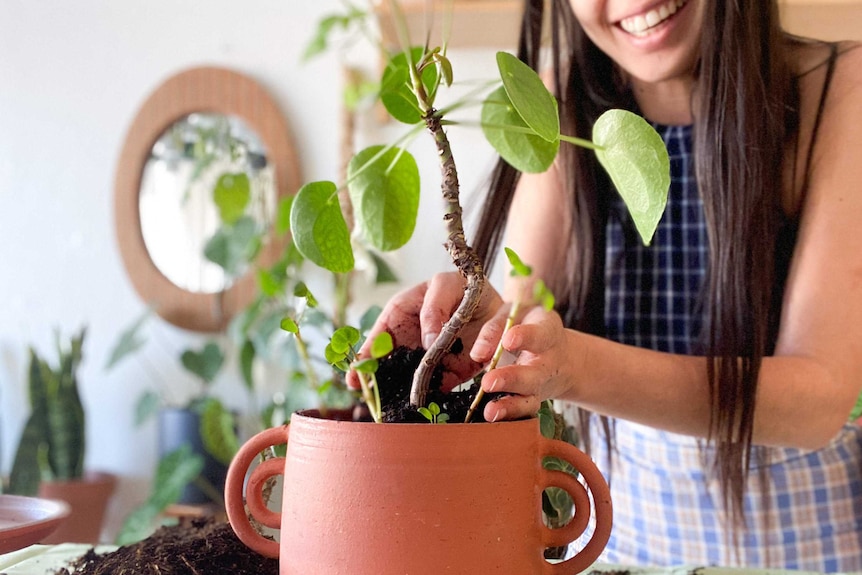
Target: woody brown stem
<point>463,256</point>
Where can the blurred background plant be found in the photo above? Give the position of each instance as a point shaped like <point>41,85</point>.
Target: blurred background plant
<point>52,446</point>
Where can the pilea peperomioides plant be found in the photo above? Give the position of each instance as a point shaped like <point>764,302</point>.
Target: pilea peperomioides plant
<point>520,119</point>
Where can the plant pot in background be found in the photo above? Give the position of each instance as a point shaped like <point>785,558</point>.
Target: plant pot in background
<point>88,499</point>
<point>178,427</point>
<point>389,499</point>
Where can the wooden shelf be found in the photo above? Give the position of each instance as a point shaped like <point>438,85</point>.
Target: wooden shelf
<point>476,23</point>
<point>494,23</point>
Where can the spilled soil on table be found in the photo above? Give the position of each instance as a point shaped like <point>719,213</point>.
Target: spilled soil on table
<point>199,547</point>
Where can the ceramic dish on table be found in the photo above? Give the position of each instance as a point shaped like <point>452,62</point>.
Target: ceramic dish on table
<point>27,520</point>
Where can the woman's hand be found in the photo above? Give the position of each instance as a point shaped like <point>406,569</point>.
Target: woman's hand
<point>414,318</point>
<point>542,367</point>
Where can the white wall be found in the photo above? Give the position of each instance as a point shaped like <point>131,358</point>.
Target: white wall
<point>72,76</point>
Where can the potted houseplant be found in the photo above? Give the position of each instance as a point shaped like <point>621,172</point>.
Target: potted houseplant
<point>432,498</point>
<point>196,438</point>
<point>49,461</point>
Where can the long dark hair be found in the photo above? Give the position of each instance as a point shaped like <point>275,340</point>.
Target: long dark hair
<point>741,124</point>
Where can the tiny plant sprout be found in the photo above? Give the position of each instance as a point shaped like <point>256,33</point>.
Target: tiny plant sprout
<point>432,413</point>
<point>291,326</point>
<point>301,291</point>
<point>341,354</point>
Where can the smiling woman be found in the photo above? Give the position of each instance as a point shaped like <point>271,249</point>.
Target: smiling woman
<point>170,129</point>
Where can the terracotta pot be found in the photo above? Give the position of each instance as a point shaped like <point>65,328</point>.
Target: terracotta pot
<point>87,498</point>
<point>396,499</point>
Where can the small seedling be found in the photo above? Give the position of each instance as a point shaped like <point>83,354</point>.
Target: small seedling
<point>432,413</point>
<point>341,354</point>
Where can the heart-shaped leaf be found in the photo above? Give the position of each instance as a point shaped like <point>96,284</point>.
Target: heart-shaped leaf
<point>205,363</point>
<point>319,230</point>
<point>529,96</point>
<point>384,190</point>
<point>635,157</point>
<point>396,87</point>
<point>510,136</point>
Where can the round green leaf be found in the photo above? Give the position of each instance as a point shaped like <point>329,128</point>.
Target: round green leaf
<point>531,99</point>
<point>396,87</point>
<point>318,226</point>
<point>289,325</point>
<point>635,157</point>
<point>333,357</point>
<point>231,195</point>
<point>368,366</point>
<point>349,334</point>
<point>385,195</point>
<point>510,136</point>
<point>381,345</point>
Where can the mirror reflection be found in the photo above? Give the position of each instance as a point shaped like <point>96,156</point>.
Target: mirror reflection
<point>207,198</point>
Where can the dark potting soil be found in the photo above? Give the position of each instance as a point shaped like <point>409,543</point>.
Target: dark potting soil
<point>199,547</point>
<point>395,377</point>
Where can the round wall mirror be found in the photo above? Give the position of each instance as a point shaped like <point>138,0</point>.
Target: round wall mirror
<point>204,165</point>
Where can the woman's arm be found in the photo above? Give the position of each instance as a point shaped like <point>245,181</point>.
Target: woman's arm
<point>806,390</point>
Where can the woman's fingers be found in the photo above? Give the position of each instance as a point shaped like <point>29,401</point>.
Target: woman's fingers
<point>511,407</point>
<point>400,318</point>
<point>489,336</point>
<point>538,332</point>
<point>536,343</point>
<point>440,300</point>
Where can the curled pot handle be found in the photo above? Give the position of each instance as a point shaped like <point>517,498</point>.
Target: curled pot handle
<point>233,490</point>
<point>601,493</point>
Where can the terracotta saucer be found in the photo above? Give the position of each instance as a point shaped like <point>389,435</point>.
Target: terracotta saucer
<point>27,520</point>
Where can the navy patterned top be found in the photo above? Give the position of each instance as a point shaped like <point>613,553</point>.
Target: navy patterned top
<point>653,293</point>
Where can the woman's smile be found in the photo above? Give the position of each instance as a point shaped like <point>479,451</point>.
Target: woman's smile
<point>646,23</point>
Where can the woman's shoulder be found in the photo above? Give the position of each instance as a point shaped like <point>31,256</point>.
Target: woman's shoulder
<point>829,80</point>
<point>814,62</point>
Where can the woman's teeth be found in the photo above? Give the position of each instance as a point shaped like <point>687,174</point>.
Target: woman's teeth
<point>642,24</point>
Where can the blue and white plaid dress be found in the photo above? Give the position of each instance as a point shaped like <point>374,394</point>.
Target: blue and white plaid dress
<point>668,510</point>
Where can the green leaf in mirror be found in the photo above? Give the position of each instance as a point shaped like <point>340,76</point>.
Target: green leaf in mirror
<point>231,195</point>
<point>235,245</point>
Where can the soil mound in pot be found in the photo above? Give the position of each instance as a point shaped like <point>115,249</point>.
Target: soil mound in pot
<point>395,377</point>
<point>199,547</point>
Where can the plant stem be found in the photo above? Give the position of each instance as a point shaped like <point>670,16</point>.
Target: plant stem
<point>310,373</point>
<point>463,256</point>
<point>368,397</point>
